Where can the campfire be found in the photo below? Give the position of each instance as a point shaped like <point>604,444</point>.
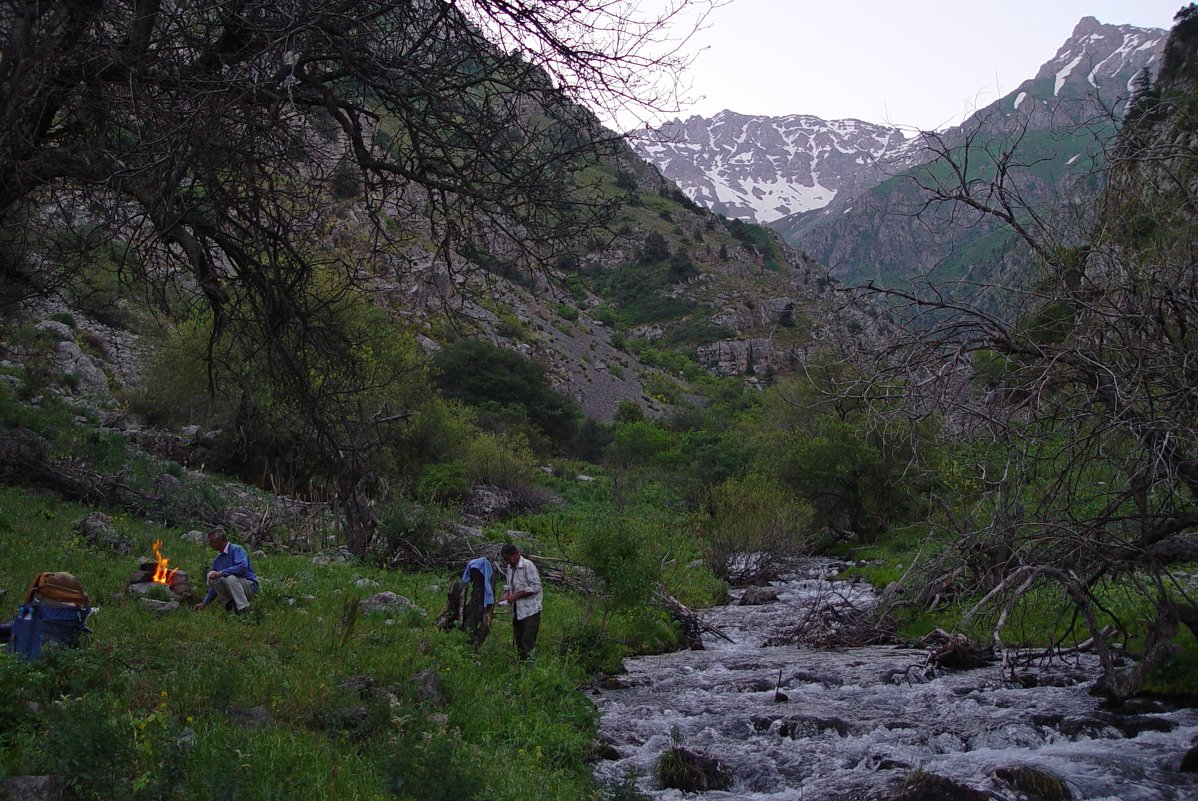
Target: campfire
<point>158,573</point>
<point>162,571</point>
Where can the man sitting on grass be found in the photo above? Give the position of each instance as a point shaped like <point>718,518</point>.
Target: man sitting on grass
<point>231,578</point>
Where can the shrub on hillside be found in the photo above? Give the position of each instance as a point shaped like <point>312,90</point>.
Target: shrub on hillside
<point>620,552</point>
<point>482,374</point>
<point>503,461</point>
<point>753,528</point>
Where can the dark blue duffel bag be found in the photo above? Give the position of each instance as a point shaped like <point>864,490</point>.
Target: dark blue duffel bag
<point>38,625</point>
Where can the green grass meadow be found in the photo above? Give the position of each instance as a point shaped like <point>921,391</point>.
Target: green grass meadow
<point>307,697</point>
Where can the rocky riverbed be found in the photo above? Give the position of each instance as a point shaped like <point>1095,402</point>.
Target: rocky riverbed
<point>791,722</point>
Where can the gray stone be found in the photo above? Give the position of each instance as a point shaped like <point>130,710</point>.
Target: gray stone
<point>160,607</point>
<point>756,596</point>
<point>32,788</point>
<point>89,377</point>
<point>250,717</point>
<point>210,439</point>
<point>60,331</point>
<point>99,532</point>
<point>428,687</point>
<point>196,536</point>
<point>729,357</point>
<point>365,582</point>
<point>150,588</point>
<point>387,602</point>
<point>167,483</point>
<point>187,739</point>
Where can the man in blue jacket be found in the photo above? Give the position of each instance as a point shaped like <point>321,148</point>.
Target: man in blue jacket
<point>231,578</point>
<point>476,618</point>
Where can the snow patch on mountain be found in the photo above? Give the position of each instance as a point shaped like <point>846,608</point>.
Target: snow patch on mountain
<point>765,168</point>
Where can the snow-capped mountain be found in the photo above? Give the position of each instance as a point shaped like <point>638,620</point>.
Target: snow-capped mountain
<point>1055,126</point>
<point>851,211</point>
<point>763,168</point>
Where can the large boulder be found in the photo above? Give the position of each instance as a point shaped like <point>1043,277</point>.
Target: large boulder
<point>86,374</point>
<point>1036,784</point>
<point>99,532</point>
<point>1189,762</point>
<point>387,602</point>
<point>921,786</point>
<point>757,596</point>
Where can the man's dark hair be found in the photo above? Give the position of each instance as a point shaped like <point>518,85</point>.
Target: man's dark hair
<point>508,550</point>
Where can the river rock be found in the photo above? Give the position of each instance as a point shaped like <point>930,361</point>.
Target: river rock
<point>1135,725</point>
<point>1189,762</point>
<point>601,750</point>
<point>758,596</point>
<point>920,786</point>
<point>1034,783</point>
<point>692,772</point>
<point>797,727</point>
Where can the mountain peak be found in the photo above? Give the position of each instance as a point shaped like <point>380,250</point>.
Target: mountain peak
<point>1085,27</point>
<point>1095,60</point>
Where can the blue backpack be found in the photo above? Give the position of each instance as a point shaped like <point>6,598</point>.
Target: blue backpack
<point>54,613</point>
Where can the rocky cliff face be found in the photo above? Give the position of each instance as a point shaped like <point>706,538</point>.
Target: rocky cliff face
<point>764,168</point>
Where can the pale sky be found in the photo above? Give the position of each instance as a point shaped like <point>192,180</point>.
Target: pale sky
<point>925,64</point>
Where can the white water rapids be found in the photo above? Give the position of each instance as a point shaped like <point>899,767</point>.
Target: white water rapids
<point>856,721</point>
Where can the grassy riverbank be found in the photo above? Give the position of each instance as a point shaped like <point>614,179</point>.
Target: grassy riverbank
<point>306,698</point>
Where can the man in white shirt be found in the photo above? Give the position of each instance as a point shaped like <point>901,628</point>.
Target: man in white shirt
<point>523,591</point>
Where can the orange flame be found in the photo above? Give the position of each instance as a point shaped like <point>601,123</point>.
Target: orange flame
<point>163,573</point>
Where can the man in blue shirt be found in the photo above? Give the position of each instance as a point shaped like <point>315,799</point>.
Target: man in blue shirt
<point>231,578</point>
<point>476,619</point>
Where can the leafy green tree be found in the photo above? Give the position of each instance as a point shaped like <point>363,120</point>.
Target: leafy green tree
<point>488,376</point>
<point>621,555</point>
<point>640,443</point>
<point>753,529</point>
<point>201,139</point>
<point>681,266</point>
<point>855,487</point>
<point>628,411</point>
<point>656,248</point>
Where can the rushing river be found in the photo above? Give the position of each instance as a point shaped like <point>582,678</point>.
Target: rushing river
<point>850,724</point>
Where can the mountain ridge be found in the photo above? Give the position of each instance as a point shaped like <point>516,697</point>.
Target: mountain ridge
<point>862,230</point>
<point>763,168</point>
